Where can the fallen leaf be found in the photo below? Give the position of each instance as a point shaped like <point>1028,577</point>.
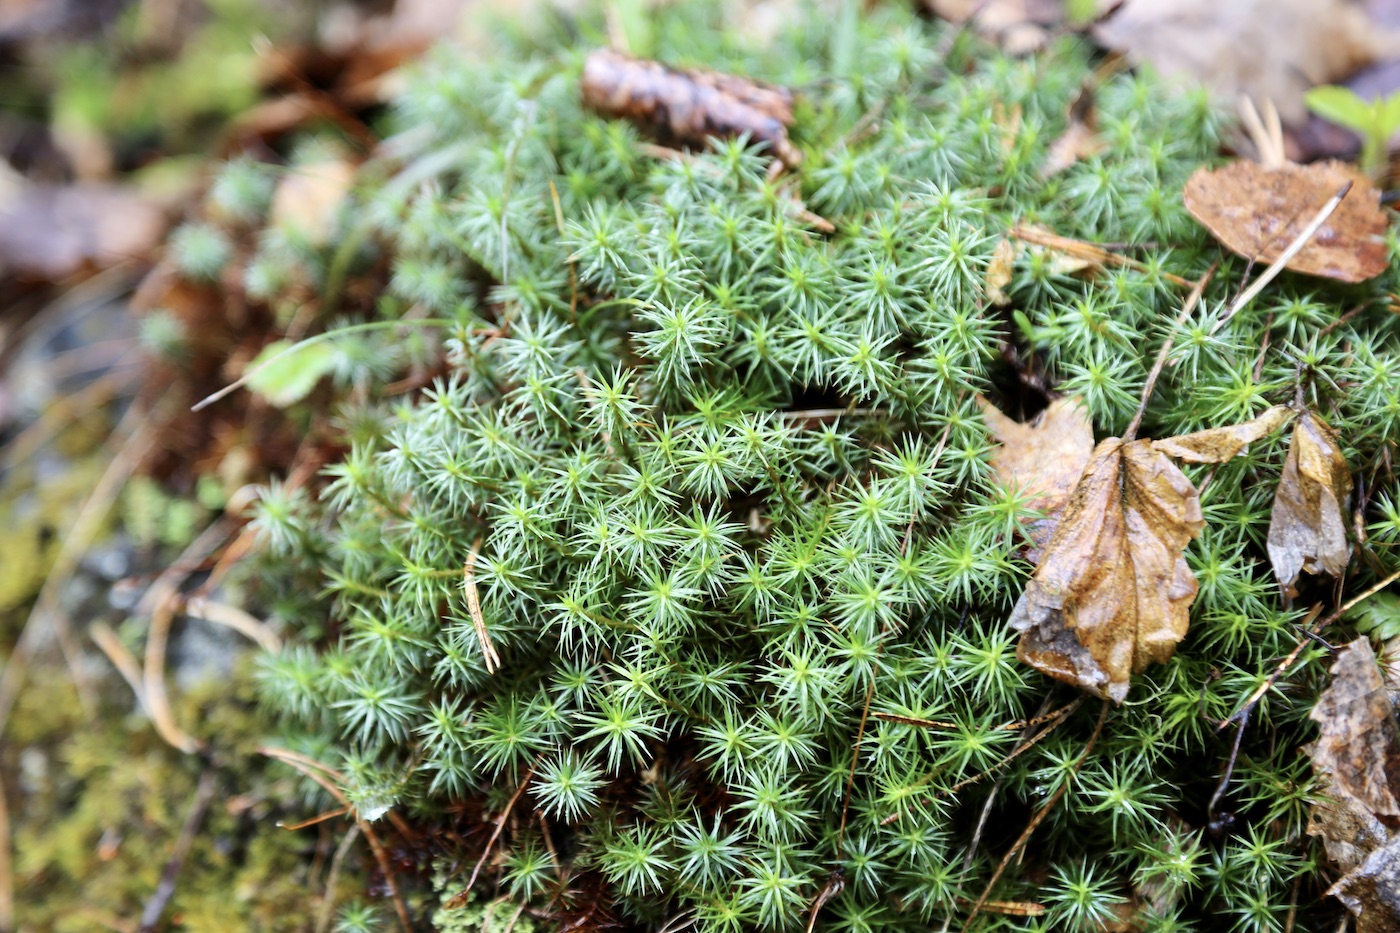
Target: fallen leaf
<point>1359,741</point>
<point>1216,445</point>
<point>1080,140</point>
<point>1257,212</point>
<point>308,197</point>
<point>1308,528</point>
<point>689,106</point>
<point>998,274</point>
<point>1357,758</point>
<point>1215,44</point>
<point>1372,891</point>
<point>50,232</point>
<point>1043,459</point>
<point>1113,592</point>
<point>1349,831</point>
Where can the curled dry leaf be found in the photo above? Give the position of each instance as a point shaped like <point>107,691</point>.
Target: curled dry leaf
<point>1113,592</point>
<point>1080,140</point>
<point>1043,459</point>
<point>689,106</point>
<point>1216,445</point>
<point>1357,758</point>
<point>1257,212</point>
<point>1308,528</point>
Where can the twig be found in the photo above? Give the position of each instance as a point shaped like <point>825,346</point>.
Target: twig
<point>1287,662</point>
<point>318,772</point>
<point>488,650</point>
<point>315,820</point>
<point>851,777</point>
<point>1301,240</point>
<point>460,898</point>
<point>7,868</point>
<point>1089,252</point>
<point>234,618</point>
<point>153,678</point>
<point>1025,741</point>
<point>1187,308</point>
<point>123,660</point>
<point>203,794</point>
<point>1229,767</point>
<point>1036,820</point>
<point>323,916</point>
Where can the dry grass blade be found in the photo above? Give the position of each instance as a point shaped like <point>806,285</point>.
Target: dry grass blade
<point>1087,252</point>
<point>155,907</point>
<point>153,678</point>
<point>231,617</point>
<point>488,650</point>
<point>323,917</point>
<point>7,868</point>
<point>461,898</point>
<point>123,660</point>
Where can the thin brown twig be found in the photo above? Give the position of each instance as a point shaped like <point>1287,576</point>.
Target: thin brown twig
<point>851,777</point>
<point>1036,820</point>
<point>231,617</point>
<point>122,659</point>
<point>318,772</point>
<point>315,820</point>
<point>460,898</point>
<point>7,867</point>
<point>155,906</point>
<point>75,543</point>
<point>1090,252</point>
<point>153,678</point>
<point>323,916</point>
<point>1308,632</point>
<point>1187,308</point>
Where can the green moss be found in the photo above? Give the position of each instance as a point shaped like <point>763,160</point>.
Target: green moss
<point>101,803</point>
<point>720,478</point>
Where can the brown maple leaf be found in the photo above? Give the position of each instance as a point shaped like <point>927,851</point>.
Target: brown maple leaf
<point>1307,530</point>
<point>1258,211</point>
<point>1042,459</point>
<point>1113,592</point>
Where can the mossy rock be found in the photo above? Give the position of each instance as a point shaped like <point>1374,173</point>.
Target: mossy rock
<point>720,483</point>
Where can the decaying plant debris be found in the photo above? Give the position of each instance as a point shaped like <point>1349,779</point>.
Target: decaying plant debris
<point>689,106</point>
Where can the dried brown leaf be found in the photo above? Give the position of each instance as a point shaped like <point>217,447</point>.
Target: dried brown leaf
<point>51,232</point>
<point>1359,742</point>
<point>1218,44</point>
<point>1216,445</point>
<point>689,106</point>
<point>1043,458</point>
<point>1080,140</point>
<point>1308,529</point>
<point>309,196</point>
<point>1257,212</point>
<point>998,274</point>
<point>1113,592</point>
<point>1349,831</point>
<point>1372,892</point>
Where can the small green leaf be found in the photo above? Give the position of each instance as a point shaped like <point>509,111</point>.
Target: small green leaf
<point>1378,616</point>
<point>1341,106</point>
<point>285,378</point>
<point>1389,114</point>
